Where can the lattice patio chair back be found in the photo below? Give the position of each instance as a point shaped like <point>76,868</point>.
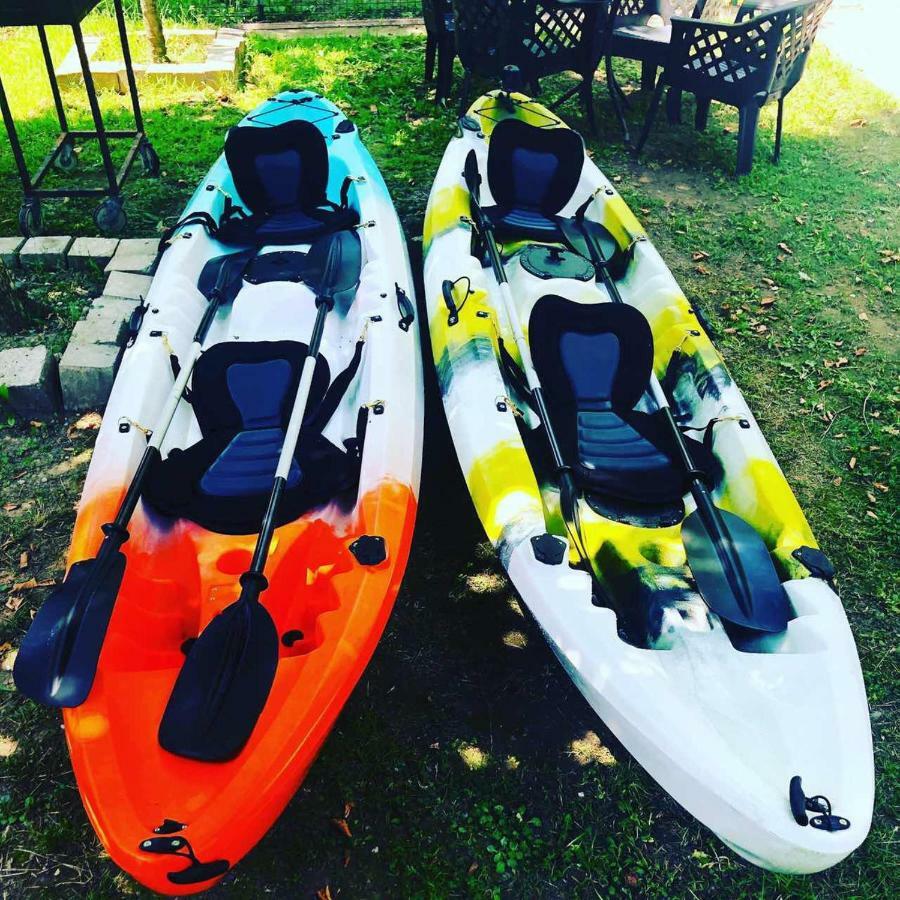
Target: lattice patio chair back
<point>744,64</point>
<point>797,38</point>
<point>540,38</point>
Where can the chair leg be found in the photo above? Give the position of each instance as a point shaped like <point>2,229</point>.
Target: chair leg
<point>673,105</point>
<point>587,94</point>
<point>464,94</point>
<point>616,99</point>
<point>431,45</point>
<point>652,110</point>
<point>444,71</point>
<point>701,115</point>
<point>648,75</point>
<point>749,118</point>
<point>776,156</point>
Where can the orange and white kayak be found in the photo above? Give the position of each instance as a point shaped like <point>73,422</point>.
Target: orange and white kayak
<point>335,566</point>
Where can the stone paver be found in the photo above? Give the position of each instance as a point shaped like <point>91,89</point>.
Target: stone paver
<point>134,255</point>
<point>9,251</point>
<point>127,285</point>
<point>89,252</point>
<point>28,375</point>
<point>86,375</point>
<point>47,252</point>
<point>102,325</point>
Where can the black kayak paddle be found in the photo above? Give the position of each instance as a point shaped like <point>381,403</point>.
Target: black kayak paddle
<point>227,676</point>
<point>728,559</point>
<point>57,660</point>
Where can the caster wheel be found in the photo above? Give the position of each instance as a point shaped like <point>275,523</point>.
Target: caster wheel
<point>66,160</point>
<point>109,217</point>
<point>31,223</point>
<point>149,158</point>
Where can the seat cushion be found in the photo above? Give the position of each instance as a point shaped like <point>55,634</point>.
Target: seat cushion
<point>520,223</point>
<point>242,396</point>
<point>279,167</point>
<point>594,362</point>
<point>531,168</point>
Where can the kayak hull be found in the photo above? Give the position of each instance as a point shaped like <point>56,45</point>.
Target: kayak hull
<point>722,721</point>
<point>175,824</point>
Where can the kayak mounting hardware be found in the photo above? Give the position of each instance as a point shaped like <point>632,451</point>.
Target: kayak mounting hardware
<point>345,126</point>
<point>801,805</point>
<point>197,871</point>
<point>447,289</point>
<point>289,638</point>
<point>548,549</point>
<point>406,308</point>
<point>169,826</point>
<point>369,549</point>
<point>819,565</point>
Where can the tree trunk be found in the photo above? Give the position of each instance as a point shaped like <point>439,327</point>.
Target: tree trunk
<point>13,309</point>
<point>154,30</point>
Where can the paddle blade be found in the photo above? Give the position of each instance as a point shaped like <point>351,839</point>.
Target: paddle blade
<point>223,686</point>
<point>472,176</point>
<point>581,233</point>
<point>57,660</point>
<point>735,576</point>
<point>333,264</point>
<point>224,273</point>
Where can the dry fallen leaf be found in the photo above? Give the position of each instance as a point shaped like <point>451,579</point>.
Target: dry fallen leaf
<point>824,383</point>
<point>699,255</point>
<point>863,317</point>
<point>13,602</point>
<point>702,270</point>
<point>23,560</point>
<point>858,123</point>
<point>800,220</point>
<point>870,514</point>
<point>852,462</point>
<point>860,351</point>
<point>803,276</point>
<point>472,869</point>
<point>90,421</point>
<point>784,247</point>
<point>766,301</point>
<point>872,497</point>
<point>348,808</point>
<point>837,481</point>
<point>342,826</point>
<point>9,507</point>
<point>324,893</point>
<point>881,487</point>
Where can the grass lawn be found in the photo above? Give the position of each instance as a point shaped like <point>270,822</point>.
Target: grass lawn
<point>473,765</point>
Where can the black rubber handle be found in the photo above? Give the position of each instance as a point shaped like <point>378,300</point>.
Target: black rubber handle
<point>450,301</point>
<point>407,310</point>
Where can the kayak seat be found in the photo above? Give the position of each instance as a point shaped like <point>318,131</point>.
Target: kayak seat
<point>281,176</point>
<point>594,362</point>
<point>532,173</point>
<point>242,396</point>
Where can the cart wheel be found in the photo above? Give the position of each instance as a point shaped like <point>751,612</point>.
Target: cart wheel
<point>109,216</point>
<point>66,160</point>
<point>149,158</point>
<point>31,223</point>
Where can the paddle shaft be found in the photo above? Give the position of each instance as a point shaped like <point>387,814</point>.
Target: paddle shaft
<point>707,510</point>
<point>291,438</point>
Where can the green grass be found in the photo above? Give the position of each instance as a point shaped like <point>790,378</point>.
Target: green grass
<point>473,765</point>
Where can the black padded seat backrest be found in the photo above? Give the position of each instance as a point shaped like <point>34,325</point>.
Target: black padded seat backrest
<point>282,167</point>
<point>594,362</point>
<point>533,168</point>
<point>242,397</point>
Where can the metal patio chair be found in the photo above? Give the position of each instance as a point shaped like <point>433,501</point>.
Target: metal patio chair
<point>758,58</point>
<point>440,45</point>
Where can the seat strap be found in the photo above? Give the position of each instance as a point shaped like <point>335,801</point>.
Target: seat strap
<point>336,390</point>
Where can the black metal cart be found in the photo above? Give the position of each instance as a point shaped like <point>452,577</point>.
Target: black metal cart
<point>109,216</point>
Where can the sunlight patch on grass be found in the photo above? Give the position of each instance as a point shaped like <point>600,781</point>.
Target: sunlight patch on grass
<point>515,639</point>
<point>485,583</point>
<point>474,757</point>
<point>590,749</point>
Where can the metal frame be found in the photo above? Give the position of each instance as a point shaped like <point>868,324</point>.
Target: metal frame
<point>31,185</point>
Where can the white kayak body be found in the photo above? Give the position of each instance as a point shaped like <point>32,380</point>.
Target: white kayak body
<point>723,721</point>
